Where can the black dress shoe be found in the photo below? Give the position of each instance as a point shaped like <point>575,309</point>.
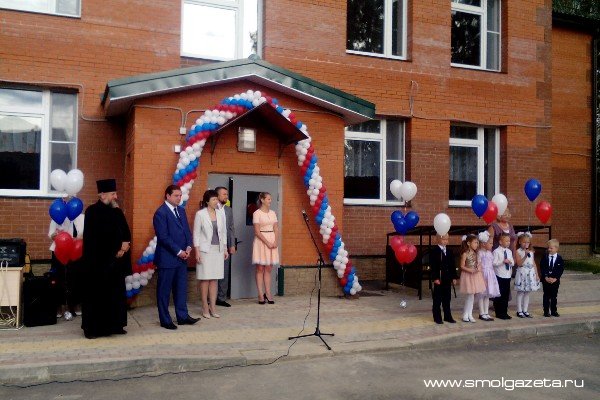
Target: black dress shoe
<point>503,317</point>
<point>555,314</point>
<point>89,335</point>
<point>223,303</point>
<point>450,320</point>
<point>120,332</point>
<point>170,326</point>
<point>188,321</point>
<point>439,321</point>
<point>546,315</point>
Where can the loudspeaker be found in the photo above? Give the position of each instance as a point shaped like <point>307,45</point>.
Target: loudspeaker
<point>39,307</point>
<point>13,251</point>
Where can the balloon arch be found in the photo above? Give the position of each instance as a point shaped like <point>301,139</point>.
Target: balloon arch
<point>189,160</point>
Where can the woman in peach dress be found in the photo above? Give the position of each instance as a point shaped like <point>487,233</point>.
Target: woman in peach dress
<point>265,251</point>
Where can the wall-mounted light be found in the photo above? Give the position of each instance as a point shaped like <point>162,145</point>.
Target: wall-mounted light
<point>176,148</point>
<point>247,140</point>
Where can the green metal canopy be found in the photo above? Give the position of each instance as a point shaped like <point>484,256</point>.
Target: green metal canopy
<point>120,94</point>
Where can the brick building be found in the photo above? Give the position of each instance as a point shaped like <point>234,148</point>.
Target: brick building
<point>468,97</point>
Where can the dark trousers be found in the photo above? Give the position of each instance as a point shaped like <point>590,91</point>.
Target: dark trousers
<point>501,303</point>
<point>223,284</point>
<point>550,293</point>
<point>441,296</point>
<point>67,283</point>
<point>172,280</point>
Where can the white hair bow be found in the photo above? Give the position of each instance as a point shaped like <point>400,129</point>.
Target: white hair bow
<point>483,236</point>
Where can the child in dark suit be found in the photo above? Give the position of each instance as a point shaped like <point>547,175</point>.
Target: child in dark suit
<point>443,275</point>
<point>552,267</point>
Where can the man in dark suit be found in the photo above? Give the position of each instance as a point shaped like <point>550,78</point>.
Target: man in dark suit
<point>172,251</point>
<point>223,196</point>
<point>552,267</point>
<point>443,275</point>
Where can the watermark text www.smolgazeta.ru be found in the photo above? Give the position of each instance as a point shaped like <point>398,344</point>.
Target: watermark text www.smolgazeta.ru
<point>507,384</point>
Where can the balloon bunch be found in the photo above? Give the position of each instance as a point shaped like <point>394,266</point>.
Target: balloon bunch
<point>405,252</point>
<point>185,174</point>
<point>317,194</point>
<point>543,209</point>
<point>489,210</point>
<point>66,247</point>
<point>142,271</point>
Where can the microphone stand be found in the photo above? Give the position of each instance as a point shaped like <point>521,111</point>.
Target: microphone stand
<point>318,332</point>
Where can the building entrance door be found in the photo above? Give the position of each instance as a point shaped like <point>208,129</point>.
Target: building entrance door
<point>243,195</point>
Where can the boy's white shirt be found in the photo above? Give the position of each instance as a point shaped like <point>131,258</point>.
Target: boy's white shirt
<point>498,262</point>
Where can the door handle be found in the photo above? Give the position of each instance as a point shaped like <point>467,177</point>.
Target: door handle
<point>237,242</point>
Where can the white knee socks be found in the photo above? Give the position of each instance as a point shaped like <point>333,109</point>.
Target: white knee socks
<point>468,311</point>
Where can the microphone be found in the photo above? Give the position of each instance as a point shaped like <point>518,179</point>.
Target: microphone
<point>304,215</point>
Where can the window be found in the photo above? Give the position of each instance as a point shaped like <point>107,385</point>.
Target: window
<point>376,28</point>
<point>69,8</point>
<point>38,133</point>
<point>374,157</point>
<point>476,34</point>
<point>220,29</point>
<point>474,163</point>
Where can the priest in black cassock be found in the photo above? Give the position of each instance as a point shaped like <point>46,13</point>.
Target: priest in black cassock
<point>106,262</point>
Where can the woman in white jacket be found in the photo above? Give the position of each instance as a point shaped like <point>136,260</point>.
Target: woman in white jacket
<point>210,241</point>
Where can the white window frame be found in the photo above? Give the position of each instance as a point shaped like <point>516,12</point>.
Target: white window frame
<point>482,11</point>
<point>382,139</point>
<point>51,9</point>
<point>45,145</point>
<point>479,144</point>
<point>387,34</point>
<point>238,7</point>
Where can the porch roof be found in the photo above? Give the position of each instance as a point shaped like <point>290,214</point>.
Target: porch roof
<point>120,94</point>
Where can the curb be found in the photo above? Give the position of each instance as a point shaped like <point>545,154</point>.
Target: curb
<point>132,368</point>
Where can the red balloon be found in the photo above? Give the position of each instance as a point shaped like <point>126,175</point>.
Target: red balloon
<point>76,250</point>
<point>316,208</point>
<point>491,213</point>
<point>396,241</point>
<point>63,245</point>
<point>543,211</point>
<point>401,253</point>
<point>411,253</point>
<point>343,281</point>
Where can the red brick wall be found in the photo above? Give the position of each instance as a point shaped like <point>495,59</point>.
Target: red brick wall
<point>571,135</point>
<point>86,52</point>
<point>517,99</point>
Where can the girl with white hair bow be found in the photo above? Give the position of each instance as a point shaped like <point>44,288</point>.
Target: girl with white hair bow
<point>485,258</point>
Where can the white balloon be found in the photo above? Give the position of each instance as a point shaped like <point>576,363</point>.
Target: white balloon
<point>136,284</point>
<point>180,166</point>
<point>408,191</point>
<point>326,238</point>
<point>316,192</point>
<point>395,187</point>
<point>442,223</point>
<point>501,202</point>
<point>135,277</point>
<point>340,273</point>
<point>128,286</point>
<point>58,179</point>
<point>185,161</point>
<point>286,113</point>
<point>143,281</point>
<point>74,182</point>
<point>128,279</point>
<point>144,275</point>
<point>352,291</point>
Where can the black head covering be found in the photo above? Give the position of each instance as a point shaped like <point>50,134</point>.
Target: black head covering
<point>106,185</point>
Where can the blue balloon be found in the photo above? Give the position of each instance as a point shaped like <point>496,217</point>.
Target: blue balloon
<point>129,294</point>
<point>412,219</point>
<point>479,204</point>
<point>275,101</point>
<point>401,226</point>
<point>58,211</point>
<point>299,124</point>
<point>396,216</point>
<point>533,188</point>
<point>74,208</point>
